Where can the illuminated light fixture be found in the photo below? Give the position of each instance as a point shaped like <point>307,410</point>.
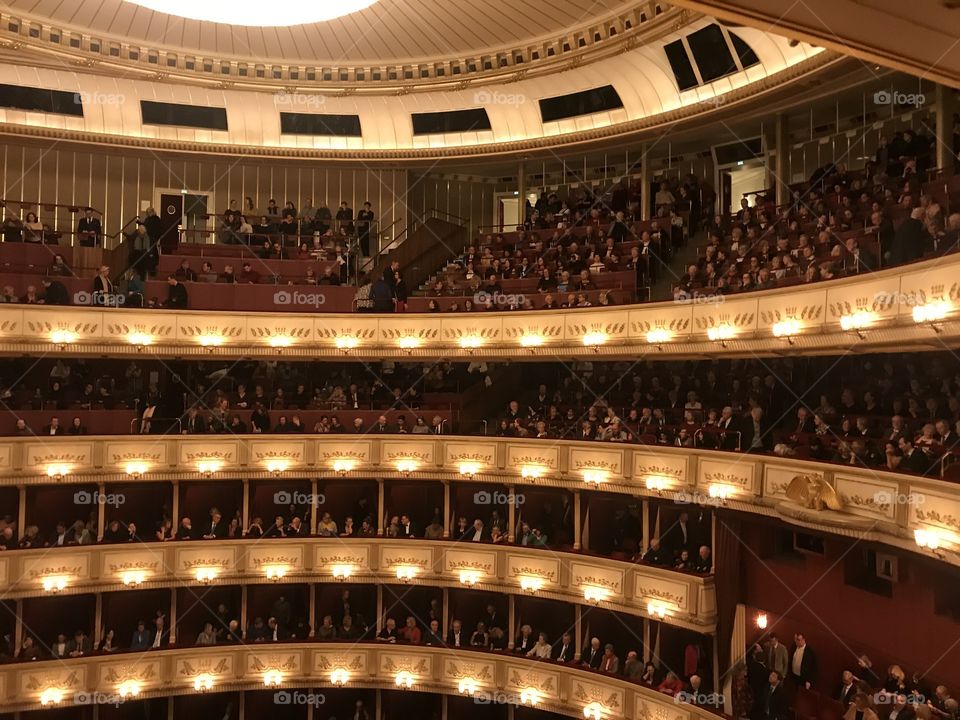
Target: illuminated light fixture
<point>529,696</point>
<point>857,322</point>
<point>58,471</point>
<point>272,678</point>
<point>721,492</point>
<point>657,484</point>
<point>469,469</point>
<point>406,573</point>
<point>721,333</point>
<point>346,343</point>
<point>409,343</point>
<point>276,572</point>
<point>133,577</point>
<point>53,583</point>
<point>469,577</point>
<point>342,572</point>
<point>404,680</point>
<point>595,476</point>
<point>210,340</point>
<point>63,338</point>
<point>141,340</point>
<point>205,575</point>
<point>342,466</point>
<point>531,472</point>
<point>531,584</point>
<point>593,711</point>
<point>203,682</point>
<point>128,689</point>
<point>209,467</point>
<point>339,677</point>
<point>656,609</point>
<point>787,329</point>
<point>470,342</point>
<point>245,12</point>
<point>762,621</point>
<point>275,467</point>
<point>595,339</point>
<point>280,342</point>
<point>467,686</point>
<point>406,466</point>
<point>594,594</point>
<point>136,469</point>
<point>51,696</point>
<point>658,336</point>
<point>531,341</point>
<point>932,312</point>
<point>928,539</point>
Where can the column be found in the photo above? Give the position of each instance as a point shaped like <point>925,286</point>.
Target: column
<point>445,617</point>
<point>381,511</point>
<point>101,509</point>
<point>242,706</point>
<point>170,708</point>
<point>378,707</point>
<point>313,608</point>
<point>97,619</point>
<point>522,190</point>
<point>18,628</point>
<point>576,520</point>
<point>511,620</point>
<point>22,509</point>
<point>946,106</point>
<point>646,640</point>
<point>645,520</point>
<point>443,707</point>
<point>245,513</point>
<point>782,167</point>
<point>379,605</point>
<point>578,629</point>
<point>173,616</point>
<point>175,506</point>
<point>512,514</point>
<point>315,506</point>
<point>243,608</point>
<point>446,509</point>
<point>644,182</point>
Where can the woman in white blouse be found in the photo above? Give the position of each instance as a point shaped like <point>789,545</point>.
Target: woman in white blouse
<point>541,649</point>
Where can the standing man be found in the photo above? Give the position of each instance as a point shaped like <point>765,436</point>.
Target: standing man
<point>364,224</point>
<point>803,663</point>
<point>89,229</point>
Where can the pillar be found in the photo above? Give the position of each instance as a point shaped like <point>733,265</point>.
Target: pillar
<point>447,520</point>
<point>381,510</point>
<point>98,619</point>
<point>577,530</point>
<point>645,520</point>
<point>101,509</point>
<point>445,617</point>
<point>175,506</point>
<point>313,608</point>
<point>173,616</point>
<point>646,640</point>
<point>522,190</point>
<point>315,507</point>
<point>379,605</point>
<point>22,510</point>
<point>245,513</point>
<point>242,706</point>
<point>18,628</point>
<point>243,609</point>
<point>645,197</point>
<point>512,514</point>
<point>511,620</point>
<point>378,706</point>
<point>578,629</point>
<point>946,106</point>
<point>782,168</point>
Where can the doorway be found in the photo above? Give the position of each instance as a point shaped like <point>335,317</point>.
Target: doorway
<point>736,180</point>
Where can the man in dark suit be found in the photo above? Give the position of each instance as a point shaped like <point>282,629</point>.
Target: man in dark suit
<point>142,637</point>
<point>53,428</point>
<point>757,437</point>
<point>594,656</point>
<point>679,536</point>
<point>773,704</point>
<point>803,663</point>
<point>564,650</point>
<point>909,240</point>
<point>848,689</point>
<point>476,533</point>
<point>914,460</point>
<point>407,529</point>
<point>217,529</point>
<point>457,638</point>
<point>525,640</point>
<point>89,229</point>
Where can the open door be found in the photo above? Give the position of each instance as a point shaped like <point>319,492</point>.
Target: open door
<point>171,218</point>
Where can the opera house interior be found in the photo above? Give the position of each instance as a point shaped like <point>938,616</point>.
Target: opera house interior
<point>668,293</point>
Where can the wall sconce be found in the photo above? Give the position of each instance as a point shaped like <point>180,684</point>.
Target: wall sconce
<point>275,572</point>
<point>531,472</point>
<point>129,689</point>
<point>469,577</point>
<point>857,322</point>
<point>339,677</point>
<point>409,343</point>
<point>721,492</point>
<point>531,341</point>
<point>51,696</point>
<point>272,678</point>
<point>594,476</point>
<point>721,333</point>
<point>136,469</point>
<point>932,313</point>
<point>657,484</point>
<point>467,686</point>
<point>62,338</point>
<point>404,680</point>
<point>656,609</point>
<point>406,573</point>
<point>529,696</point>
<point>341,466</point>
<point>346,343</point>
<point>406,466</point>
<point>761,621</point>
<point>58,471</point>
<point>53,583</point>
<point>279,342</point>
<point>470,343</point>
<point>787,329</point>
<point>595,340</point>
<point>276,467</point>
<point>210,341</point>
<point>140,340</point>
<point>208,467</point>
<point>342,572</point>
<point>205,575</point>
<point>469,470</point>
<point>658,336</point>
<point>594,594</point>
<point>531,584</point>
<point>930,539</point>
<point>133,577</point>
<point>203,682</point>
<point>593,711</point>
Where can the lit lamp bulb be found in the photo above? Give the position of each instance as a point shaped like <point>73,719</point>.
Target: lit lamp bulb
<point>58,471</point>
<point>208,467</point>
<point>211,341</point>
<point>280,341</point>
<point>469,469</point>
<point>470,342</point>
<point>857,321</point>
<point>593,711</point>
<point>339,677</point>
<point>275,467</point>
<point>136,469</point>
<point>762,621</point>
<point>720,333</point>
<point>529,696</point>
<point>469,577</point>
<point>931,312</point>
<point>51,696</point>
<point>531,341</point>
<point>53,584</point>
<point>404,680</point>
<point>720,492</point>
<point>276,572</point>
<point>594,594</point>
<point>593,476</point>
<point>342,466</point>
<point>786,329</point>
<point>139,339</point>
<point>657,484</point>
<point>658,336</point>
<point>656,609</point>
<point>929,539</point>
<point>203,682</point>
<point>406,466</point>
<point>405,573</point>
<point>531,472</point>
<point>129,689</point>
<point>346,343</point>
<point>272,678</point>
<point>467,686</point>
<point>63,337</point>
<point>133,577</point>
<point>409,343</point>
<point>205,575</point>
<point>342,572</point>
<point>531,584</point>
<point>594,339</point>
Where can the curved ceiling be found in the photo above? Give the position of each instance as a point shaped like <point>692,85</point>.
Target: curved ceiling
<point>389,31</point>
